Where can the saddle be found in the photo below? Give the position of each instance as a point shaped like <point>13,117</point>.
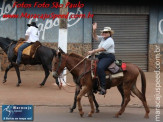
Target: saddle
<point>28,52</point>
<point>115,70</point>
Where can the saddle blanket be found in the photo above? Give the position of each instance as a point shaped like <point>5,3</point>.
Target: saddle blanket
<point>114,70</point>
<point>30,50</point>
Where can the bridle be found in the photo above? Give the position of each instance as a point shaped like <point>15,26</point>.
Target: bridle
<point>8,46</point>
<point>60,62</point>
<point>62,76</point>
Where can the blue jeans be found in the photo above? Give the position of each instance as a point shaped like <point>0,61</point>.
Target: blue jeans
<point>20,50</point>
<point>104,61</point>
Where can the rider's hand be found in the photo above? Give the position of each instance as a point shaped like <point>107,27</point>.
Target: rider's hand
<point>94,26</point>
<point>91,52</point>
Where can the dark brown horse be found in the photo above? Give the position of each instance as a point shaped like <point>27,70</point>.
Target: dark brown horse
<point>44,56</point>
<point>80,67</point>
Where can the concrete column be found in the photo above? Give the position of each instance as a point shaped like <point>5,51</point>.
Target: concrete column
<point>62,41</point>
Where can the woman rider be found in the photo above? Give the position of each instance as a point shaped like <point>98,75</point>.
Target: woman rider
<point>106,53</point>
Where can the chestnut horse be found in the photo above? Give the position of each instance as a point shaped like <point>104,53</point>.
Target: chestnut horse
<point>81,67</point>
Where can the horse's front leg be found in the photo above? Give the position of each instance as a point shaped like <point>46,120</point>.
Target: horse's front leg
<point>81,94</point>
<point>6,71</point>
<point>77,90</point>
<point>46,75</point>
<point>90,97</point>
<point>18,74</point>
<point>95,102</point>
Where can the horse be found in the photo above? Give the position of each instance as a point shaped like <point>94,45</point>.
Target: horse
<point>77,91</point>
<point>80,67</point>
<point>43,56</point>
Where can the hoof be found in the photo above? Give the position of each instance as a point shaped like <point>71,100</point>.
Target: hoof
<point>81,114</point>
<point>146,116</point>
<point>97,111</point>
<point>41,85</point>
<point>89,115</point>
<point>18,85</point>
<point>71,110</point>
<point>4,81</point>
<point>116,115</point>
<point>60,86</point>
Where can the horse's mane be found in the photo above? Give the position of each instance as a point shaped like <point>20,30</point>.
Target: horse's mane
<point>7,40</point>
<point>76,55</point>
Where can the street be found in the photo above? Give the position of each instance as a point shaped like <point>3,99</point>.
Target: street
<point>61,114</point>
<point>52,104</point>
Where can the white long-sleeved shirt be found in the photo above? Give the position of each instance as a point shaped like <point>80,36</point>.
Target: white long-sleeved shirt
<point>33,34</point>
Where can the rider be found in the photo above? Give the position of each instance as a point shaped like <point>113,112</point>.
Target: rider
<point>32,35</point>
<point>106,53</point>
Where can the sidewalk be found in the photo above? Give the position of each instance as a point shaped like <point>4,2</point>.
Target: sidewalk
<point>30,92</point>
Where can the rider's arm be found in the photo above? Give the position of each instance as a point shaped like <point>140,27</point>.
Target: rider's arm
<point>28,31</point>
<point>26,37</point>
<point>95,37</point>
<point>98,50</point>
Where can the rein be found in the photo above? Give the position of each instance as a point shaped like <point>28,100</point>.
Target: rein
<point>60,60</point>
<point>8,46</point>
<point>75,65</point>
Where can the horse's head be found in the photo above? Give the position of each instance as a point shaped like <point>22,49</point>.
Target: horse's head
<point>5,43</point>
<point>58,63</point>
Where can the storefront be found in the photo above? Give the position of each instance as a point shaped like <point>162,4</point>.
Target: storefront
<point>138,27</point>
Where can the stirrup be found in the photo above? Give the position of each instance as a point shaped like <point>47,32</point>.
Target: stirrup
<point>102,91</point>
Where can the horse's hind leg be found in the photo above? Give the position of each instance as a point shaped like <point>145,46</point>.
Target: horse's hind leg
<point>90,97</point>
<point>140,96</point>
<point>6,71</point>
<point>127,93</point>
<point>81,94</point>
<point>96,104</point>
<point>120,89</point>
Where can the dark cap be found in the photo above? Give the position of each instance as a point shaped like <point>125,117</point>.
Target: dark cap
<point>32,24</point>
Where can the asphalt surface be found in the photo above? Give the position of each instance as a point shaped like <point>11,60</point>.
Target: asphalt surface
<point>61,114</point>
<point>52,104</point>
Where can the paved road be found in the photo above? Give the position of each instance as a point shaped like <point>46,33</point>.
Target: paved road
<point>61,114</point>
<point>29,93</point>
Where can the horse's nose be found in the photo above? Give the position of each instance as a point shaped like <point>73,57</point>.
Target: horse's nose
<point>54,74</point>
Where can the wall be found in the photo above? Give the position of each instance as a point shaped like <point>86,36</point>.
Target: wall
<point>79,29</point>
<point>79,34</point>
<point>156,37</point>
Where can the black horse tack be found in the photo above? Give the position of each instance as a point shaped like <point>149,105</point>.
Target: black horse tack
<point>43,56</point>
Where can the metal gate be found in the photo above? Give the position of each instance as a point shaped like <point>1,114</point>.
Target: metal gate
<point>131,36</point>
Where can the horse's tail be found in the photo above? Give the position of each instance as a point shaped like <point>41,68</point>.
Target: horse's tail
<point>54,52</point>
<point>143,82</point>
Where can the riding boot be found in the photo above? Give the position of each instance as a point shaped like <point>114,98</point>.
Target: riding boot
<point>18,63</point>
<point>102,91</point>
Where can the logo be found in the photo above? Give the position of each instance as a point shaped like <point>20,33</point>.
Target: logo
<point>17,112</point>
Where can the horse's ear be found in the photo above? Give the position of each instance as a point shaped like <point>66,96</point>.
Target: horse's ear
<point>59,54</point>
<point>61,51</point>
